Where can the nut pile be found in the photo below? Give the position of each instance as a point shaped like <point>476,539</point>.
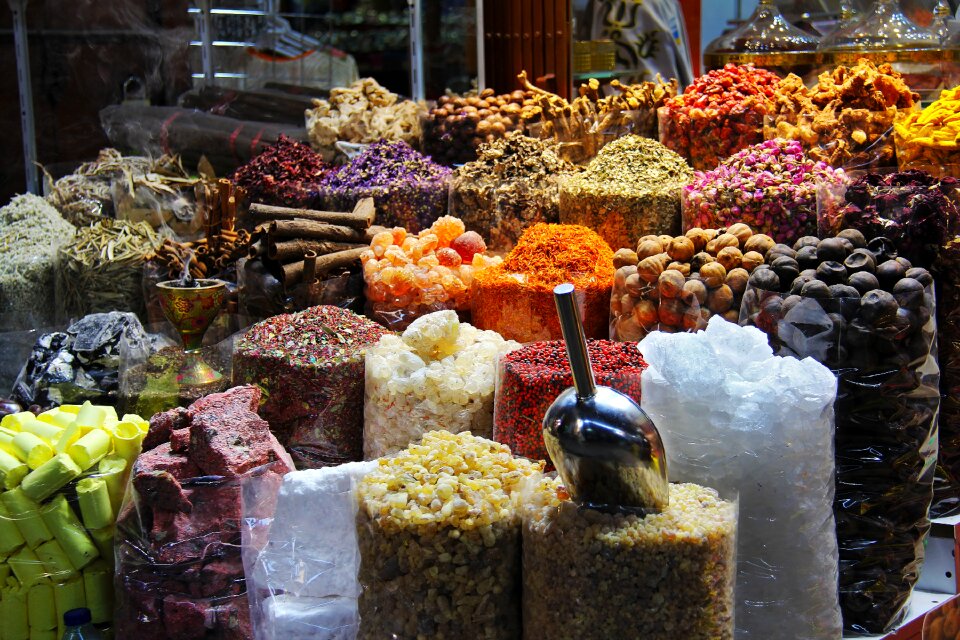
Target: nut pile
<point>439,374</point>
<point>363,112</point>
<point>665,576</point>
<point>510,186</point>
<point>867,314</point>
<point>678,283</point>
<point>719,114</point>
<point>439,525</point>
<point>631,189</point>
<point>515,297</point>
<point>772,186</point>
<point>846,118</point>
<point>458,125</point>
<point>929,139</point>
<point>409,275</point>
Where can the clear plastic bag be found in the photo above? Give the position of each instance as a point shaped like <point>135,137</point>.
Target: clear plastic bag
<point>947,272</point>
<point>884,357</point>
<point>763,429</point>
<point>414,384</point>
<point>588,574</point>
<point>301,579</point>
<point>81,364</point>
<point>57,517</point>
<point>179,568</point>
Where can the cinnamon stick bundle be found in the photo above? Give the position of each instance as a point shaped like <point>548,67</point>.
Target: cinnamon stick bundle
<point>293,272</point>
<point>360,218</point>
<point>295,249</point>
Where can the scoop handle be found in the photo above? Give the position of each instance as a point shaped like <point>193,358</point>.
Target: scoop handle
<point>576,342</point>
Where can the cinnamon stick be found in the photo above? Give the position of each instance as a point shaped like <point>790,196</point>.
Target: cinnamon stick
<point>288,250</point>
<point>293,272</point>
<point>300,228</point>
<point>360,218</point>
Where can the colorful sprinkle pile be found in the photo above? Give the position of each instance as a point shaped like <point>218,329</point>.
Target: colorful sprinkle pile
<point>310,366</point>
<point>410,190</point>
<point>531,377</point>
<point>771,186</point>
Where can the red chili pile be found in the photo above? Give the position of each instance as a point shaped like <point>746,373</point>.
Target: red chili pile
<point>719,114</point>
<point>284,174</point>
<point>530,378</point>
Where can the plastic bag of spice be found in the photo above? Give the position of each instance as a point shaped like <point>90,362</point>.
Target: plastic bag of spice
<point>880,344</point>
<point>179,567</point>
<point>515,298</point>
<point>947,271</point>
<point>310,366</point>
<point>301,578</point>
<point>765,432</point>
<point>589,574</point>
<point>459,560</point>
<point>439,374</point>
<point>530,378</point>
<point>631,189</point>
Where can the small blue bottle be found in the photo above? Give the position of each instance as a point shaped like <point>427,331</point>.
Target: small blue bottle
<point>78,626</point>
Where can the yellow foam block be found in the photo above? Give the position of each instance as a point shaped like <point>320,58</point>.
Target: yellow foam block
<point>26,566</point>
<point>45,634</point>
<point>69,595</point>
<point>58,418</point>
<point>13,612</point>
<point>89,449</point>
<point>127,438</point>
<point>90,415</point>
<point>49,477</point>
<point>10,537</point>
<point>15,420</point>
<point>31,449</point>
<point>55,561</point>
<point>25,513</point>
<point>98,586</point>
<point>12,471</point>
<point>69,408</point>
<point>70,435</point>
<point>68,531</point>
<point>6,441</point>
<point>41,607</point>
<point>103,538</point>
<point>44,430</point>
<point>94,499</point>
<point>112,469</point>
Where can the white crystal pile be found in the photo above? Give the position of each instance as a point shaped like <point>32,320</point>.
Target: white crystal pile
<point>759,427</point>
<point>440,374</point>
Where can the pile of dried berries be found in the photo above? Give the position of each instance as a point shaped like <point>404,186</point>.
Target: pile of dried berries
<point>530,378</point>
<point>310,368</point>
<point>515,298</point>
<point>771,186</point>
<point>284,174</point>
<point>631,189</point>
<point>511,186</point>
<point>912,208</point>
<point>409,275</point>
<point>719,114</point>
<point>409,189</point>
<point>439,524</point>
<point>928,139</point>
<point>845,119</point>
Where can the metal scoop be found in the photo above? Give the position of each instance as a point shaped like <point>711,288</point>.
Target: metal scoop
<point>607,450</point>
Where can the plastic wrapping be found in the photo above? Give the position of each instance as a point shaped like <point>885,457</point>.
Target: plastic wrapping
<point>60,489</point>
<point>80,364</point>
<point>848,138</point>
<point>148,369</point>
<point>947,272</point>
<point>310,366</point>
<point>179,568</point>
<point>530,379</point>
<point>765,432</point>
<point>262,293</point>
<point>301,578</point>
<point>883,355</point>
<point>458,561</point>
<point>588,574</point>
<point>439,374</point>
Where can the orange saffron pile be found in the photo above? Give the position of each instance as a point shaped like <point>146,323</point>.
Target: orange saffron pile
<point>515,298</point>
